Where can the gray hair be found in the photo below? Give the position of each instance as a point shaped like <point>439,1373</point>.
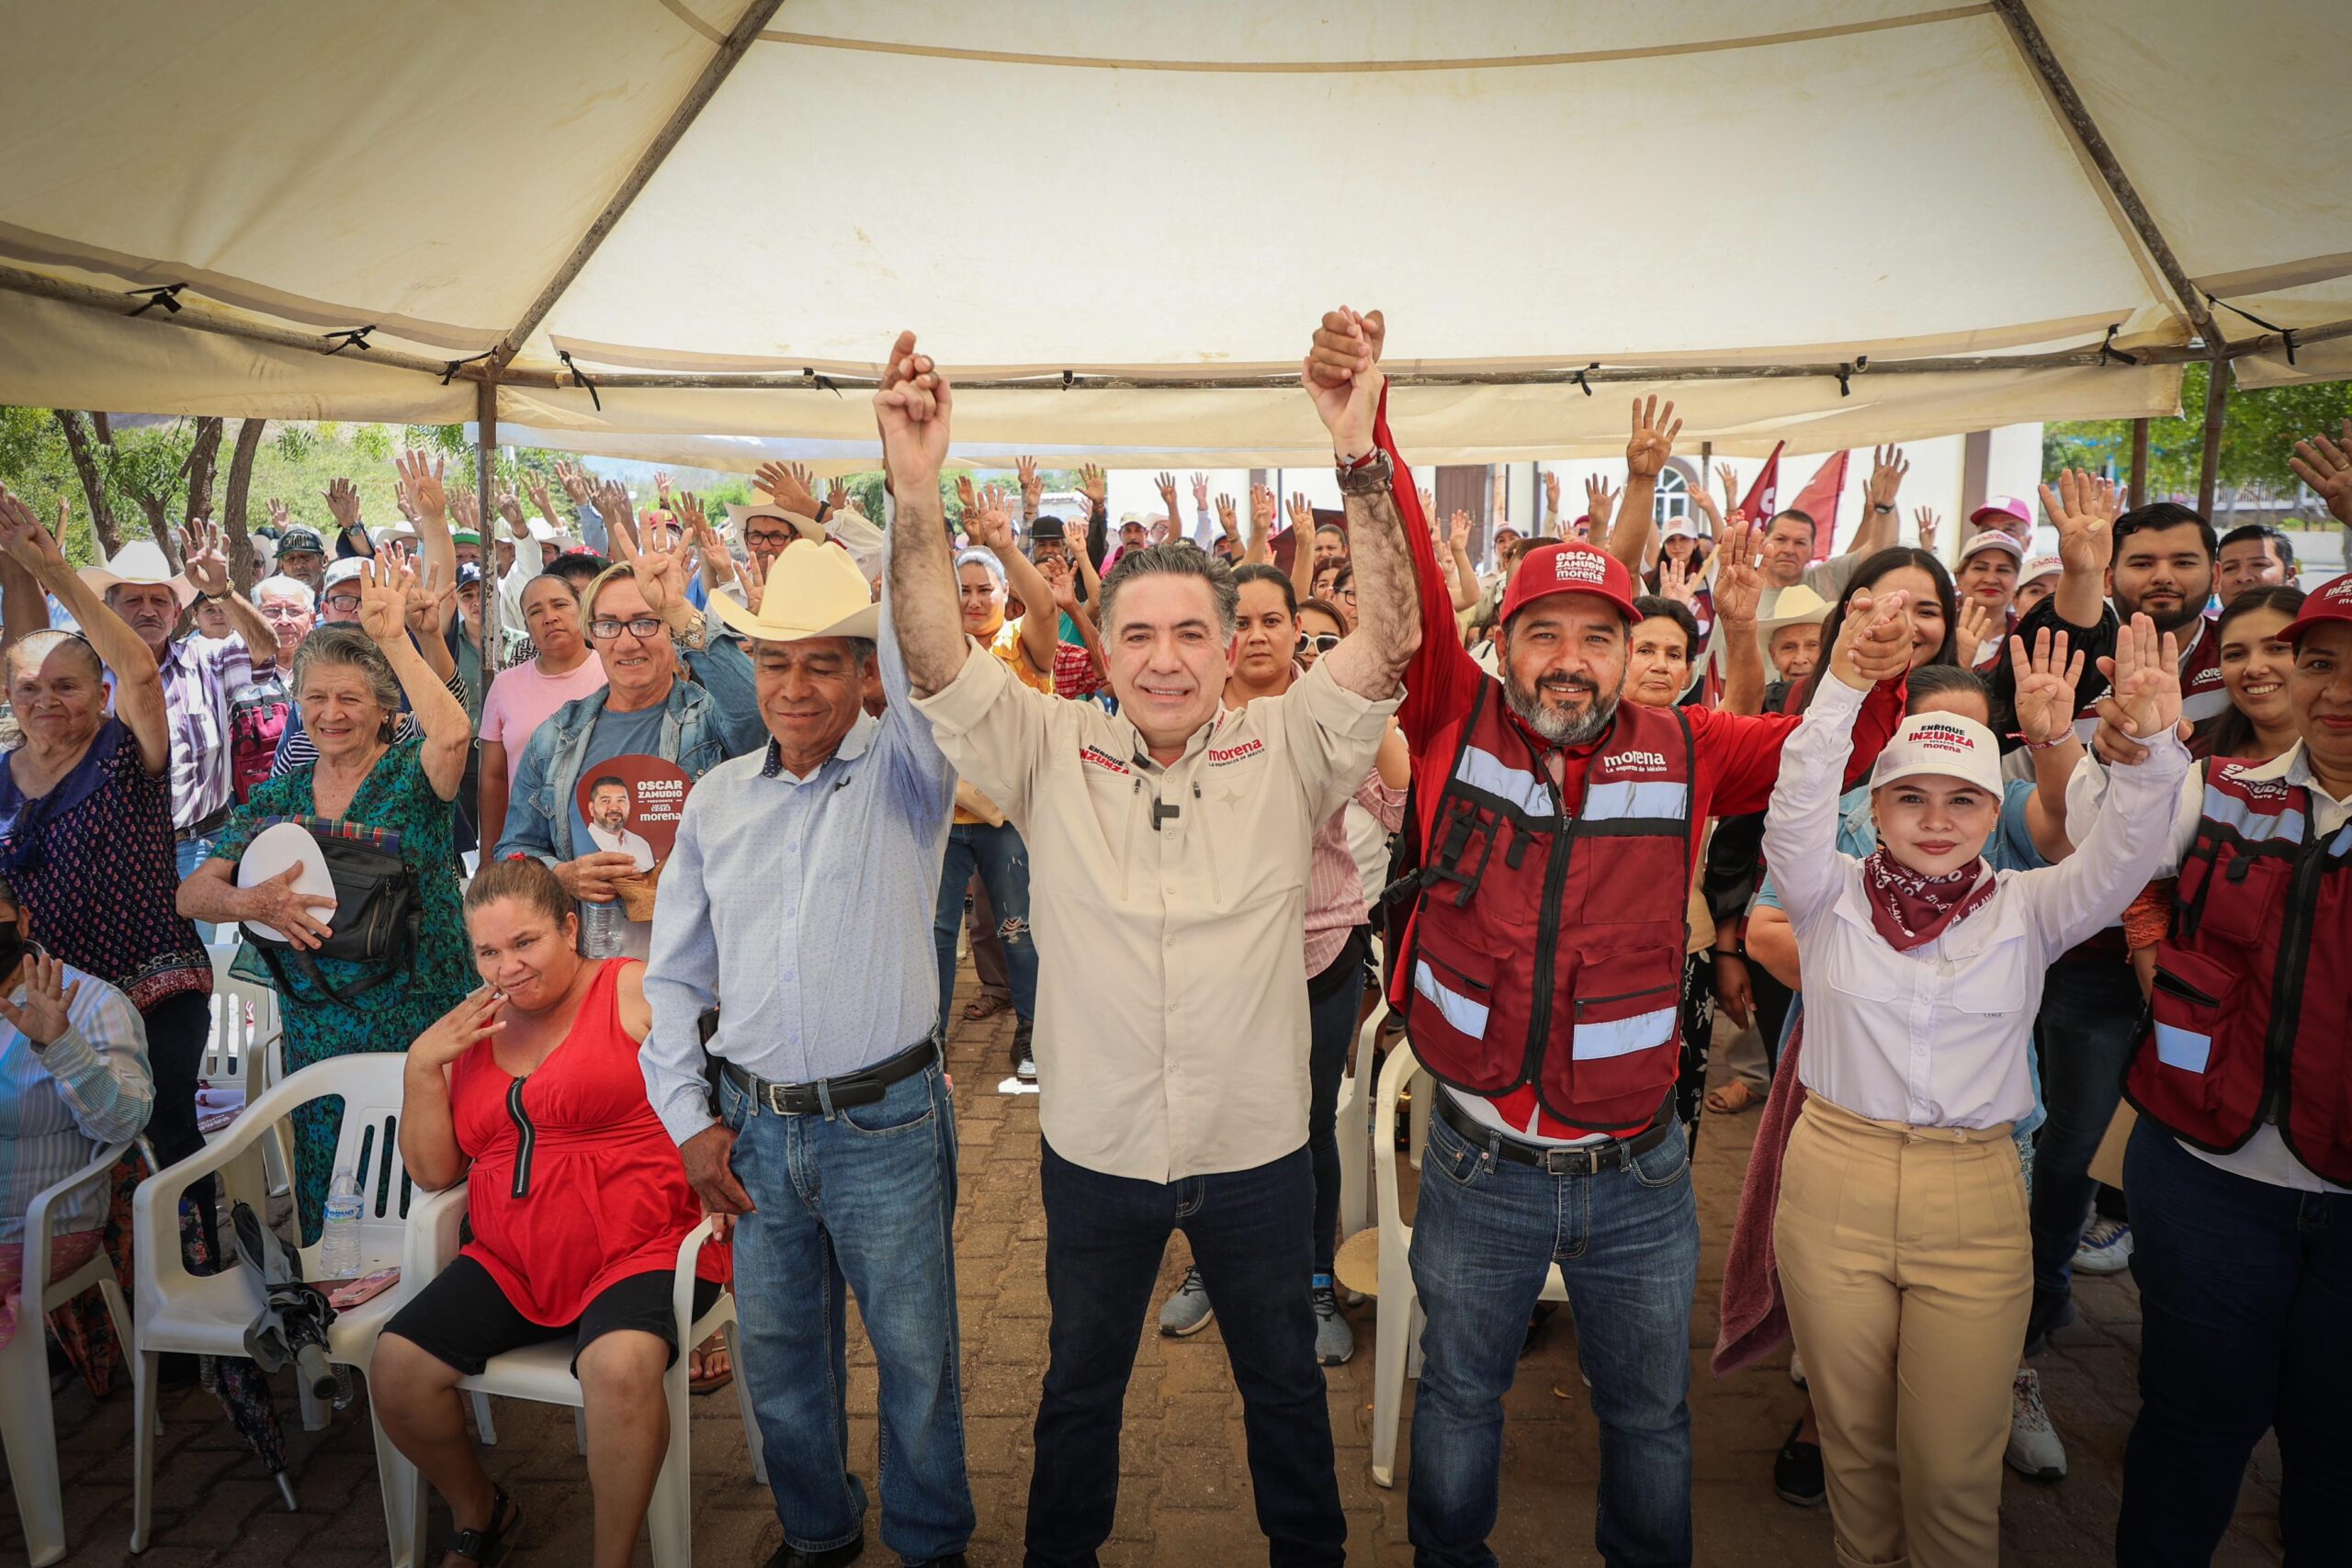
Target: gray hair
<point>287,587</point>
<point>344,645</point>
<point>976,557</point>
<point>31,652</point>
<point>1169,558</point>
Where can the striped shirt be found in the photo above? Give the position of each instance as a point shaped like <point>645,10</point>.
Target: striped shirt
<point>60,1106</point>
<point>1335,891</point>
<point>200,675</point>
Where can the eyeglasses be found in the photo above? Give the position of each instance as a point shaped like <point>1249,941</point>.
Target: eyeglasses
<point>1321,642</point>
<point>346,603</point>
<point>763,540</point>
<point>605,631</point>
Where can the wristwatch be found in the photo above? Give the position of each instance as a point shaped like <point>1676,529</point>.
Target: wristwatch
<point>694,635</point>
<point>1367,476</point>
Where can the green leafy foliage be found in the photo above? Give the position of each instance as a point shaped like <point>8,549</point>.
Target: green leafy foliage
<point>2259,430</point>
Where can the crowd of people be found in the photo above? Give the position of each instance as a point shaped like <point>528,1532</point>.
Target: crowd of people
<point>667,863</point>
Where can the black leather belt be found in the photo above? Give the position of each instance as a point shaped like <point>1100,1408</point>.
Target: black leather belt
<point>826,1096</point>
<point>1579,1159</point>
<point>205,828</point>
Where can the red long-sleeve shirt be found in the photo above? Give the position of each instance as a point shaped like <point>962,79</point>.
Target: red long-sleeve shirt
<point>1736,758</point>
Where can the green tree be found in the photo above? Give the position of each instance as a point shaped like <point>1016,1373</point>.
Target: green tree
<point>2260,429</point>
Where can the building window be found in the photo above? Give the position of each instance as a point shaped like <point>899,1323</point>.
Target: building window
<point>1673,496</point>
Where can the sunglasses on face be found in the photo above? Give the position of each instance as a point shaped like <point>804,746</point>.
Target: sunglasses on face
<point>1320,642</point>
<point>605,631</point>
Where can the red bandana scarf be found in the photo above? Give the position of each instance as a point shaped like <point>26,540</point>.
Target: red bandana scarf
<point>1911,909</point>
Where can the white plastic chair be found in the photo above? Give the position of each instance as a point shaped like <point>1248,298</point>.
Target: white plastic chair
<point>542,1374</point>
<point>1397,1334</point>
<point>209,1315</point>
<point>27,1428</point>
<point>1354,1128</point>
<point>245,1049</point>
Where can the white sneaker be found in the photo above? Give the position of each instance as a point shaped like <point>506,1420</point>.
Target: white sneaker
<point>1797,1369</point>
<point>2034,1449</point>
<point>2106,1247</point>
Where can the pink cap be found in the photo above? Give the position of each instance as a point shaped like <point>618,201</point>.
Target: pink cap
<point>2330,601</point>
<point>2011,512</point>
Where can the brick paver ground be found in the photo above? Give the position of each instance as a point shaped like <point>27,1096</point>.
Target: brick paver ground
<point>1184,1497</point>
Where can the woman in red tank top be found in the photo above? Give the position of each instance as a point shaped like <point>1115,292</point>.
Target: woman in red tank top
<point>530,1092</point>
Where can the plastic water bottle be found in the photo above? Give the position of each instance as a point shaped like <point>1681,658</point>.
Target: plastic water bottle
<point>600,931</point>
<point>339,1244</point>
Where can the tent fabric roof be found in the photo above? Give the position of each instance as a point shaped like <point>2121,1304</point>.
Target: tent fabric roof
<point>1140,195</point>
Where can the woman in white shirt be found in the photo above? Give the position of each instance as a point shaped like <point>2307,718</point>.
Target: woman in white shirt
<point>1901,1236</point>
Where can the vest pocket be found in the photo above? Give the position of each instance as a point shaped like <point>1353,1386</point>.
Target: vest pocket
<point>1454,986</point>
<point>2186,1008</point>
<point>1628,1007</point>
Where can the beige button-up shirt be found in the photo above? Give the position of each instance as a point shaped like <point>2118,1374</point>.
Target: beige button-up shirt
<point>1167,905</point>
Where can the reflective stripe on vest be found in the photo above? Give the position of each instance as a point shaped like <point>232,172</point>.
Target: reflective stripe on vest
<point>1482,770</point>
<point>1630,799</point>
<point>2183,1048</point>
<point>1469,1016</point>
<point>1597,1041</point>
<point>2238,814</point>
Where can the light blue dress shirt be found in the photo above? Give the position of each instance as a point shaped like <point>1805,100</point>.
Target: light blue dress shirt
<point>802,906</point>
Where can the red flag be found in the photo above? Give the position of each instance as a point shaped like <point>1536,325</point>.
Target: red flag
<point>1763,496</point>
<point>1818,500</point>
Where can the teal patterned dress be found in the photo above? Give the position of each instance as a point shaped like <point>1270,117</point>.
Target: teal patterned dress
<point>395,797</point>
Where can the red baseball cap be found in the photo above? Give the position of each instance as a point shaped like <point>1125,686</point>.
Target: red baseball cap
<point>1567,566</point>
<point>2329,601</point>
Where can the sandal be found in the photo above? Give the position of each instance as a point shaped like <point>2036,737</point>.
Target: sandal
<point>710,1350</point>
<point>494,1545</point>
<point>1732,1099</point>
<point>986,1006</point>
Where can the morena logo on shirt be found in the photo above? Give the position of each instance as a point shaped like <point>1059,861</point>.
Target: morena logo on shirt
<point>1103,759</point>
<point>1218,757</point>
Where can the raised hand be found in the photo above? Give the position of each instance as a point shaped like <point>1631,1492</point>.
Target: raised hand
<point>1977,626</point>
<point>48,1001</point>
<point>343,501</point>
<point>1227,518</point>
<point>1929,523</point>
<point>1428,506</point>
<point>912,408</point>
<point>204,558</point>
<point>574,483</point>
<point>1093,483</point>
<point>457,1031</point>
<point>619,509</point>
<point>1739,585</point>
<point>1460,530</point>
<point>424,596</point>
<point>510,506</point>
<point>466,510</point>
<point>2327,467</point>
<point>988,521</point>
<point>1888,465</point>
<point>1652,441</point>
<point>2045,687</point>
<point>1600,502</point>
<point>2144,695</point>
<point>753,576</point>
<point>1166,485</point>
<point>1032,487</point>
<point>1063,580</point>
<point>1199,493</point>
<point>1551,493</point>
<point>384,585</point>
<point>1674,581</point>
<point>1262,509</point>
<point>837,496</point>
<point>420,477</point>
<point>1705,501</point>
<point>789,486</point>
<point>1341,373</point>
<point>1301,515</point>
<point>659,560</point>
<point>661,484</point>
<point>29,544</point>
<point>2083,509</point>
<point>696,524</point>
<point>1730,476</point>
<point>1874,643</point>
<point>279,518</point>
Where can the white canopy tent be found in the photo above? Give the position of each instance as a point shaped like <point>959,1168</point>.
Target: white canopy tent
<point>686,229</point>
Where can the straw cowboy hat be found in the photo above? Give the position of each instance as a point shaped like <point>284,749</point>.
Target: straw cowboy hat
<point>813,592</point>
<point>1796,607</point>
<point>142,561</point>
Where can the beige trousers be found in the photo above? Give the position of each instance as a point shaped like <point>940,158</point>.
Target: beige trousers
<point>1907,1269</point>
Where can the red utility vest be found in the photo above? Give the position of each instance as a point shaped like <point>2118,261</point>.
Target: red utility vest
<point>2251,1018</point>
<point>1546,940</point>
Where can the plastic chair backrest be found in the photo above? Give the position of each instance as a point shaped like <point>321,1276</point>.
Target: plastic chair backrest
<point>244,1026</point>
<point>369,1144</point>
<point>1387,1204</point>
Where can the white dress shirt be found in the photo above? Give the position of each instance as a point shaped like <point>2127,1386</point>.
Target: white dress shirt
<point>2263,1157</point>
<point>1936,1037</point>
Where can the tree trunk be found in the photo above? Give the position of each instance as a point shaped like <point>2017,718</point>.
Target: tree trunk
<point>233,501</point>
<point>104,530</point>
<point>203,459</point>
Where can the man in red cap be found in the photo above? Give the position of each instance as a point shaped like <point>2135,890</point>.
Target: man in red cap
<point>1539,974</point>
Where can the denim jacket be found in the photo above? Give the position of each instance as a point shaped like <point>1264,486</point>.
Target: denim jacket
<point>706,720</point>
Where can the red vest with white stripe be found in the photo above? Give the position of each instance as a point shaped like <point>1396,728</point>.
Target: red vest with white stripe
<point>1546,943</point>
<point>2251,1018</point>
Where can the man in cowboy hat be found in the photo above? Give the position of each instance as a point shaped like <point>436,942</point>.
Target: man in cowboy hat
<point>798,901</point>
<point>202,674</point>
<point>1792,638</point>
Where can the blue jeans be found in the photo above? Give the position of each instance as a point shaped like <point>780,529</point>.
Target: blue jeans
<point>1331,1027</point>
<point>2245,1292</point>
<point>1485,1234</point>
<point>191,853</point>
<point>1002,861</point>
<point>1104,1238</point>
<point>2088,1029</point>
<point>864,1197</point>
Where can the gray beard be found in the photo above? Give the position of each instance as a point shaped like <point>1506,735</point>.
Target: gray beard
<point>1554,726</point>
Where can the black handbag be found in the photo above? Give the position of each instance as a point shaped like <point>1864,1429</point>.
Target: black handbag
<point>378,917</point>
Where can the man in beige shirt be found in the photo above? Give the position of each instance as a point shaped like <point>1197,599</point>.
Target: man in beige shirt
<point>1169,854</point>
